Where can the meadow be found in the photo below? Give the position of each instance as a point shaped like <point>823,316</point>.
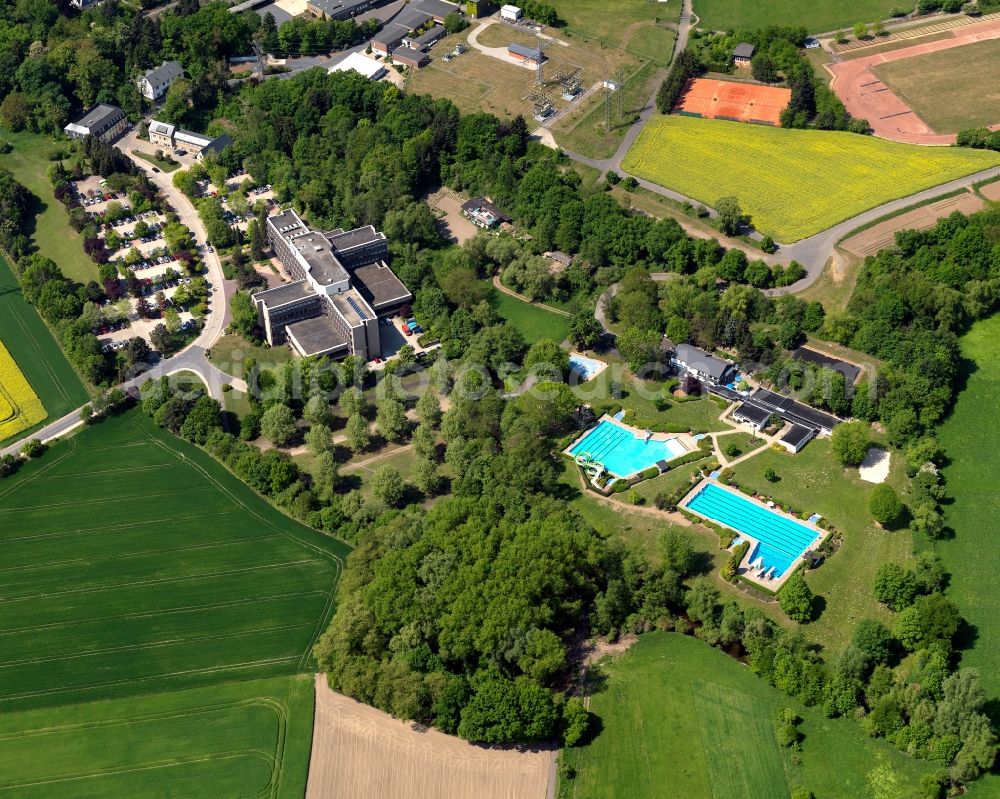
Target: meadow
<point>20,407</point>
<point>816,17</point>
<point>36,352</point>
<point>531,321</point>
<point>717,739</point>
<point>813,481</point>
<point>134,563</point>
<point>237,739</point>
<point>793,183</point>
<point>29,162</point>
<point>937,86</point>
<point>972,443</point>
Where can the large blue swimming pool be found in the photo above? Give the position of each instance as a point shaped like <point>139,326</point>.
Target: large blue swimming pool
<point>622,452</point>
<point>781,540</point>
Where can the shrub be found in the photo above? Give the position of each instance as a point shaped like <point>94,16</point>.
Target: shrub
<point>635,498</point>
<point>733,564</point>
<point>770,475</point>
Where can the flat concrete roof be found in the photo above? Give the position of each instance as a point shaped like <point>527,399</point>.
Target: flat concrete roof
<point>323,264</point>
<point>379,285</point>
<point>353,307</point>
<point>317,336</point>
<point>282,295</point>
<point>355,238</point>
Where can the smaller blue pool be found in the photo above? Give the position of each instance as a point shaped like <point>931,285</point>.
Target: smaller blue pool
<point>622,452</point>
<point>584,366</point>
<point>781,540</point>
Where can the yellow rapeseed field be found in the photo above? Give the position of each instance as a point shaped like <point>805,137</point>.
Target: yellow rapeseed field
<point>20,407</point>
<point>793,183</point>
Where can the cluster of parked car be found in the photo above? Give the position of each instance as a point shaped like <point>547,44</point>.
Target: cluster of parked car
<point>259,190</point>
<point>411,328</point>
<point>114,346</point>
<point>111,327</point>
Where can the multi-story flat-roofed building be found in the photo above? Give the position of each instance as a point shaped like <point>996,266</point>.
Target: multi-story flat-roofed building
<point>106,122</point>
<point>341,287</point>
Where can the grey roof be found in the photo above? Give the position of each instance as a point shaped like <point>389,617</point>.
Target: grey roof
<point>167,71</point>
<point>481,202</point>
<point>391,34</point>
<point>560,257</point>
<point>379,286</point>
<point>342,241</point>
<point>99,116</point>
<point>284,294</point>
<point>163,128</point>
<point>430,36</point>
<point>848,370</point>
<point>317,335</point>
<point>409,54</point>
<point>527,52</point>
<point>701,361</point>
<point>436,8</point>
<point>797,435</point>
<point>353,307</point>
<point>743,50</point>
<point>219,143</point>
<point>324,267</point>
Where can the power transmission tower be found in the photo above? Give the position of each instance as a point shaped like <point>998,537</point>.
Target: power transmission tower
<point>543,44</point>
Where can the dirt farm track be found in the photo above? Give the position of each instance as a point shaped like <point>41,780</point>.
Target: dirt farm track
<point>866,96</point>
<point>361,753</point>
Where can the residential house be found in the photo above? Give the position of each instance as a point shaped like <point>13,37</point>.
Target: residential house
<point>703,365</point>
<point>154,84</point>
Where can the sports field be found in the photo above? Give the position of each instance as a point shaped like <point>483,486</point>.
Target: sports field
<point>793,183</point>
<point>237,739</point>
<point>716,99</point>
<point>817,16</point>
<point>132,562</point>
<point>20,407</point>
<point>938,88</point>
<point>37,354</point>
<point>675,712</point>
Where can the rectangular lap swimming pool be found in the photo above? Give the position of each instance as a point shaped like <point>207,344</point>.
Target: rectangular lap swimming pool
<point>585,367</point>
<point>781,540</point>
<point>622,452</point>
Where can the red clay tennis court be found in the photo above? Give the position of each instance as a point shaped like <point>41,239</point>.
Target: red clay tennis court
<point>743,102</point>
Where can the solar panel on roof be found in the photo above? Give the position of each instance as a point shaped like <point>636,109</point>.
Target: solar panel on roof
<point>357,308</point>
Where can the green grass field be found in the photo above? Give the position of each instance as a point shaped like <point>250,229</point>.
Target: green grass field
<point>675,712</point>
<point>590,19</point>
<point>530,320</point>
<point>972,442</point>
<point>134,563</point>
<point>237,739</point>
<point>29,162</point>
<point>817,17</point>
<point>793,183</point>
<point>36,352</point>
<point>813,481</point>
<point>937,86</point>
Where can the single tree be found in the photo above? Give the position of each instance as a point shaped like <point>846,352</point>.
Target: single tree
<point>277,424</point>
<point>358,437</point>
<point>850,442</point>
<point>387,485</point>
<point>391,420</point>
<point>885,505</point>
<point>796,598</point>
<point>731,218</point>
<point>318,439</point>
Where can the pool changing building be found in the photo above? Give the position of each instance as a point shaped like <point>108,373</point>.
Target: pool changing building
<point>341,287</point>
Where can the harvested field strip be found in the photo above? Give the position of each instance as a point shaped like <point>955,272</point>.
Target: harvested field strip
<point>112,586</point>
<point>243,739</point>
<point>793,183</point>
